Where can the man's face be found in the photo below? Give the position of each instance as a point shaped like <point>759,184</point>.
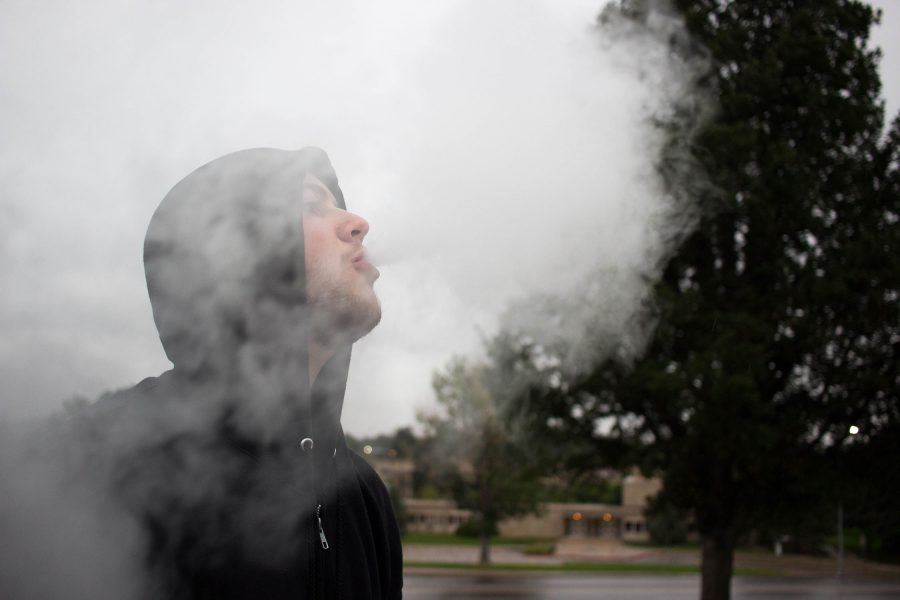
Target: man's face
<point>339,278</point>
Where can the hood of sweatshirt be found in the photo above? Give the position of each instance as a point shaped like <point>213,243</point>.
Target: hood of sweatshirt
<point>224,262</point>
<point>210,460</point>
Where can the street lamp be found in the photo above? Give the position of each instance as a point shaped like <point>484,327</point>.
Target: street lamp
<point>853,430</point>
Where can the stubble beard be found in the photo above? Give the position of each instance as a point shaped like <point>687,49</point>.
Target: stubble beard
<point>341,311</point>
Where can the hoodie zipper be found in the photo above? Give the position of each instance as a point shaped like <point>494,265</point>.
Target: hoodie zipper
<point>322,537</point>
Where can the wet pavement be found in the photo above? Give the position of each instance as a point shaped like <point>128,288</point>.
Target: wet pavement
<point>757,562</point>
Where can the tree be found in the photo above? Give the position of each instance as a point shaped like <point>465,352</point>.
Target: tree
<point>666,524</point>
<point>776,321</point>
<point>402,443</point>
<point>495,471</point>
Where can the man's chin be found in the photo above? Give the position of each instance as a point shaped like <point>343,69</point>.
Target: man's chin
<point>374,318</point>
<point>345,316</point>
<point>363,314</point>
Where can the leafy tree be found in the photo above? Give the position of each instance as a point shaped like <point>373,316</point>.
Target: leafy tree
<point>592,487</point>
<point>402,443</point>
<point>494,471</point>
<point>666,524</point>
<point>776,322</point>
<point>399,506</point>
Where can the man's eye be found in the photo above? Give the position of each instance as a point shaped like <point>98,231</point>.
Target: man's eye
<point>316,206</point>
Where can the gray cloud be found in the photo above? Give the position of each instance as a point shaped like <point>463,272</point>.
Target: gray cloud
<point>497,150</point>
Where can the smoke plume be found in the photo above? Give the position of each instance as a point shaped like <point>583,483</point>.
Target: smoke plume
<point>501,152</point>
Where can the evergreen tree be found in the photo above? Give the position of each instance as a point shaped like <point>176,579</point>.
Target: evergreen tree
<point>777,324</point>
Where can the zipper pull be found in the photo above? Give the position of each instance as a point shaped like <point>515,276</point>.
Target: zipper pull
<point>321,530</point>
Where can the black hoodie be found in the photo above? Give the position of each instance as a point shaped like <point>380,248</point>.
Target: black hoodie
<point>237,470</point>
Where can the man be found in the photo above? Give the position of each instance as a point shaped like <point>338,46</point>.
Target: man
<point>234,461</point>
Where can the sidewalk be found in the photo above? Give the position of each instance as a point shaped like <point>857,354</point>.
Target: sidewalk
<point>468,555</point>
<point>585,550</point>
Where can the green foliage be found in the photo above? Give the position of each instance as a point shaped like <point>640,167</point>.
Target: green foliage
<point>429,491</point>
<point>540,549</point>
<point>431,477</point>
<point>402,443</point>
<point>666,524</point>
<point>777,319</point>
<point>452,539</point>
<point>473,528</point>
<point>492,470</point>
<point>399,509</point>
<point>588,567</point>
<point>584,489</point>
<point>772,336</point>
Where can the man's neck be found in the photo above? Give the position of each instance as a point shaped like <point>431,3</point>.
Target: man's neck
<point>318,356</point>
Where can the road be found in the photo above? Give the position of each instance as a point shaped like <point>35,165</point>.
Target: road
<point>520,586</point>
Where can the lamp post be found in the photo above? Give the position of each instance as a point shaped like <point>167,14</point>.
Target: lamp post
<point>853,430</point>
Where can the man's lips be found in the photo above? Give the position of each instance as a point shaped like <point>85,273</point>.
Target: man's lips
<point>361,263</point>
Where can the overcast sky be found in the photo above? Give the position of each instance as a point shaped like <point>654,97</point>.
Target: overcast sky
<point>497,149</point>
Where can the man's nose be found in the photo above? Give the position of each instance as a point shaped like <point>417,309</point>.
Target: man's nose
<point>354,228</point>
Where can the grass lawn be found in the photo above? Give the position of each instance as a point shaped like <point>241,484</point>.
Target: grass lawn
<point>450,539</point>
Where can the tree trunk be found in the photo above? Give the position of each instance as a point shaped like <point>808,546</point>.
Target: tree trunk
<point>715,572</point>
<point>485,537</point>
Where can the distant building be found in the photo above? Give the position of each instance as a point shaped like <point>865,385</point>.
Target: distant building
<point>434,516</point>
<point>397,473</point>
<point>637,490</point>
<point>555,520</point>
<point>607,521</point>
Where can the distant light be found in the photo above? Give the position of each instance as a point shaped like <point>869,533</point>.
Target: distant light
<point>854,430</point>
<point>576,516</point>
<point>367,449</point>
<point>607,517</point>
